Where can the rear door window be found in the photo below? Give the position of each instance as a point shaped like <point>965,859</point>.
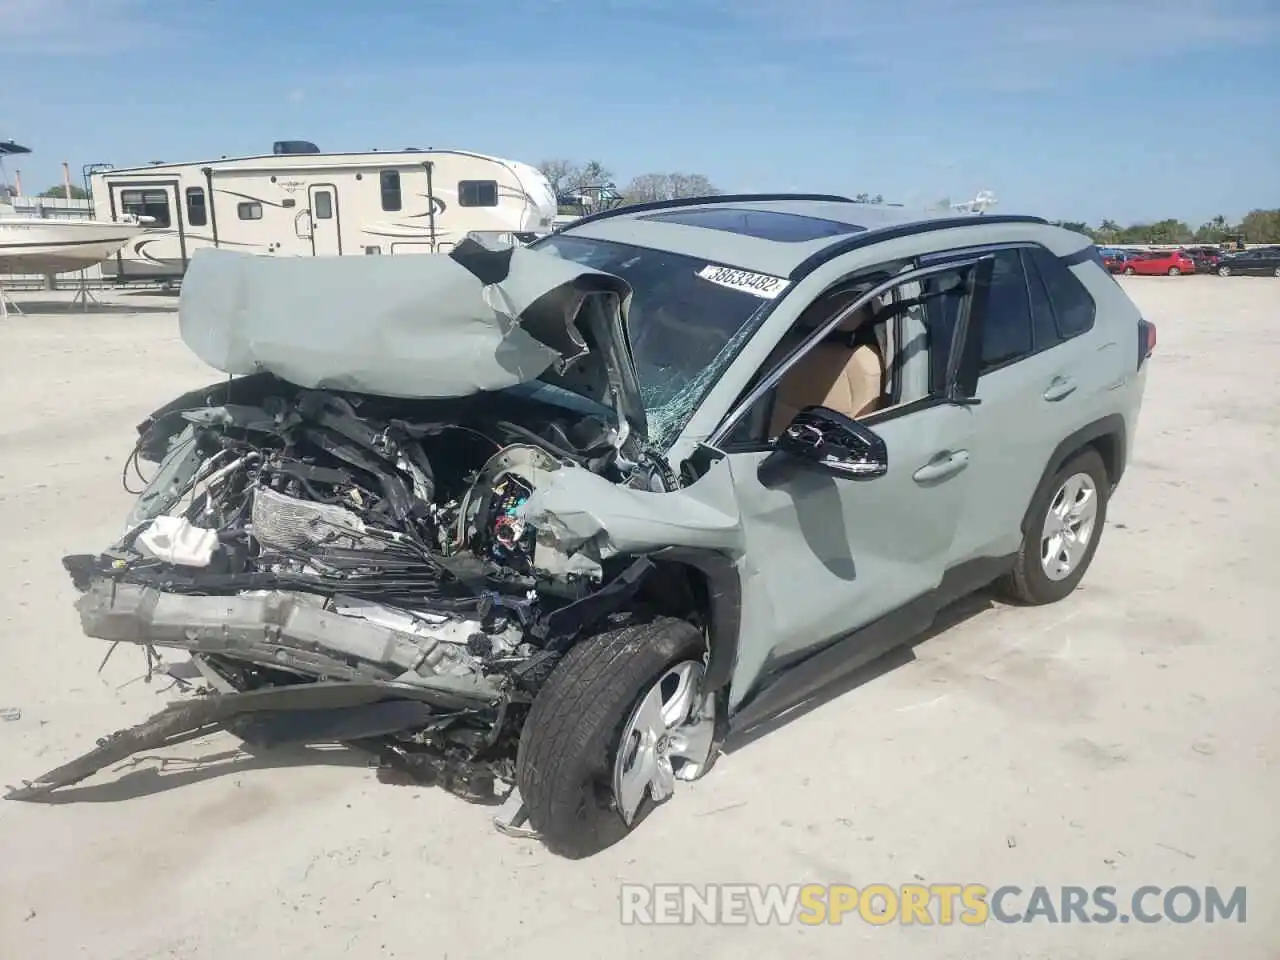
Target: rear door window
<point>1007,330</point>
<point>1007,325</point>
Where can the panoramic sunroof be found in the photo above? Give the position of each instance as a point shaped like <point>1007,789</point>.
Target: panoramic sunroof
<point>763,224</point>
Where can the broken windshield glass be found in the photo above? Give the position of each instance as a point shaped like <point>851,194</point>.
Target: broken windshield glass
<point>686,321</point>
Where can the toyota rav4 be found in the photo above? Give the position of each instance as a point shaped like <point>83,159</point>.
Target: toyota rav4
<point>564,519</point>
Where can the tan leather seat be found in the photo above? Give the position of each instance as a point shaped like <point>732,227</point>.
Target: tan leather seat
<point>844,378</point>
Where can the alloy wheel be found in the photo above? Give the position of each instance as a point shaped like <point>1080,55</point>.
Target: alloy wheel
<point>1068,526</point>
<point>668,737</point>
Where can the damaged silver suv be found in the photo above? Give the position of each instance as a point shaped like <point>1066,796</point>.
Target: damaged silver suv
<point>565,518</point>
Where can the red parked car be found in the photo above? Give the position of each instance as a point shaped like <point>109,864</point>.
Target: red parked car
<point>1160,263</point>
<point>1115,262</point>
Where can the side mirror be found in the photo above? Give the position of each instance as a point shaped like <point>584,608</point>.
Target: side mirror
<point>835,443</point>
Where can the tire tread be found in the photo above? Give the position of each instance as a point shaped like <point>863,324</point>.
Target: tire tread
<point>568,735</point>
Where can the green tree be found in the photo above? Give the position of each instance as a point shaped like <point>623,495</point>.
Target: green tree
<point>1076,226</point>
<point>1107,232</point>
<point>1170,231</point>
<point>1261,226</point>
<point>1160,232</point>
<point>77,193</point>
<point>1213,231</point>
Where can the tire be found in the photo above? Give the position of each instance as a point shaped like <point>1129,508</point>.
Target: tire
<point>1029,582</point>
<point>1276,272</point>
<point>565,761</point>
<point>1175,272</point>
<point>1224,271</point>
<point>1129,271</point>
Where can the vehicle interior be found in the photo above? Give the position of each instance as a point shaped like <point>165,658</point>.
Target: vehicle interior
<point>875,359</point>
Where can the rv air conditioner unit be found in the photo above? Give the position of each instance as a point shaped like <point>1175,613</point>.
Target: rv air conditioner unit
<point>294,146</point>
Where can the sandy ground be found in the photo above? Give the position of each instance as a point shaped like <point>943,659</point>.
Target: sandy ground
<point>1126,736</point>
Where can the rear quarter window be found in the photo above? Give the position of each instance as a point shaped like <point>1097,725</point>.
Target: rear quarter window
<point>1073,308</point>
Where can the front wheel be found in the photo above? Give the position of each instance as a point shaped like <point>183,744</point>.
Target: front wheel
<point>1276,272</point>
<point>621,718</point>
<point>1129,271</point>
<point>1062,530</point>
<point>1224,271</point>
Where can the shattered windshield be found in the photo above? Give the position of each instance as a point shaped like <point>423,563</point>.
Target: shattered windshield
<point>687,319</point>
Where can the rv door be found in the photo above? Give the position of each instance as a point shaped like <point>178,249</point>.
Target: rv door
<point>326,239</point>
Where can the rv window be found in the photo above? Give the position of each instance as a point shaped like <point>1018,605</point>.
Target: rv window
<point>477,193</point>
<point>197,216</point>
<point>324,205</point>
<point>249,211</point>
<point>147,203</point>
<point>390,182</point>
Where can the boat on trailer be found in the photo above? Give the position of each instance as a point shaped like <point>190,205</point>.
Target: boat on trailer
<point>48,245</point>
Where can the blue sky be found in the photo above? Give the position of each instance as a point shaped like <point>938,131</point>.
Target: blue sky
<point>1130,109</point>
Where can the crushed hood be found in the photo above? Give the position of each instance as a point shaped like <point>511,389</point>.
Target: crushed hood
<point>419,326</point>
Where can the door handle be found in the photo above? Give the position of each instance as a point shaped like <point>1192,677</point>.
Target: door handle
<point>945,464</point>
<point>1060,387</point>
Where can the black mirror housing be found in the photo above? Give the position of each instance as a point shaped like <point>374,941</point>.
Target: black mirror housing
<point>839,445</point>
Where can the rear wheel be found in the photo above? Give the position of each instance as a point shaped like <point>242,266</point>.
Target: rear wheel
<point>1224,271</point>
<point>620,719</point>
<point>1174,272</point>
<point>1276,272</point>
<point>1062,530</point>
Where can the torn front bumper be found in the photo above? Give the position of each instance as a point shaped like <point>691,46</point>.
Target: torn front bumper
<point>359,681</point>
<point>296,632</point>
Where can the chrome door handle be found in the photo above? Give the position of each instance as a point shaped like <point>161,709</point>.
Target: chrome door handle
<point>946,464</point>
<point>1060,387</point>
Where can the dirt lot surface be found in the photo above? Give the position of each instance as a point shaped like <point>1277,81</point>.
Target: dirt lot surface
<point>1128,736</point>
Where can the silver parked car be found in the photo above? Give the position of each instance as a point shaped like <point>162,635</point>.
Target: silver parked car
<point>569,517</point>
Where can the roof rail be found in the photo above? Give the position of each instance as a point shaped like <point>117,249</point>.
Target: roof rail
<point>717,198</point>
<point>881,234</point>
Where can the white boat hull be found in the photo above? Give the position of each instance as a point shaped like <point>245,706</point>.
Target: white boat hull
<point>36,245</point>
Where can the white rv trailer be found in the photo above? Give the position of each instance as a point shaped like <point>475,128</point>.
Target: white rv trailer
<point>300,202</point>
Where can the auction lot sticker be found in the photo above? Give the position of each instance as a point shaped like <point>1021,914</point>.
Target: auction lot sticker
<point>757,284</point>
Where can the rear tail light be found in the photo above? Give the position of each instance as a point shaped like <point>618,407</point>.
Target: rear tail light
<point>1146,341</point>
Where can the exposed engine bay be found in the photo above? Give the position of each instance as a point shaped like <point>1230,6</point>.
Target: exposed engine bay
<point>356,568</point>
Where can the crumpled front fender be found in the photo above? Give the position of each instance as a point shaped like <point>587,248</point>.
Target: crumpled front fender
<point>578,513</point>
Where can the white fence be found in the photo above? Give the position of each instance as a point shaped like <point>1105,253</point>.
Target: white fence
<point>52,207</point>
